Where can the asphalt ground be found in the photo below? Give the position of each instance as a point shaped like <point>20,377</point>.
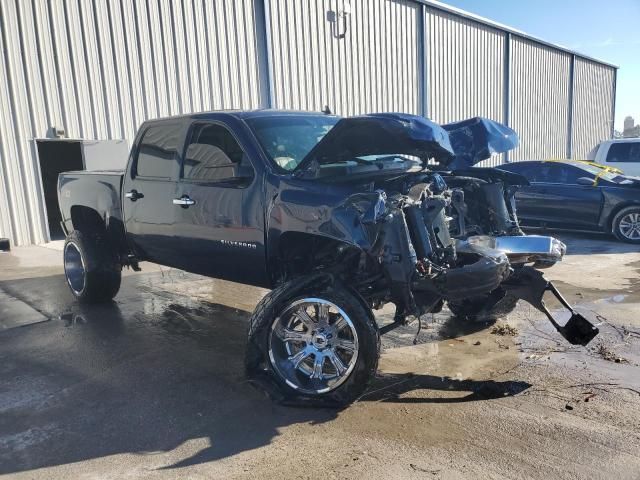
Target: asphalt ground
<point>152,385</point>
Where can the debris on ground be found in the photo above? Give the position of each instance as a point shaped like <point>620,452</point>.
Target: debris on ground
<point>609,355</point>
<point>504,329</point>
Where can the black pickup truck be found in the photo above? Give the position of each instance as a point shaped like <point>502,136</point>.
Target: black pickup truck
<point>337,216</point>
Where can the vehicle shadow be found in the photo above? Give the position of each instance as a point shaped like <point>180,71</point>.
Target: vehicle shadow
<point>390,387</point>
<point>149,373</point>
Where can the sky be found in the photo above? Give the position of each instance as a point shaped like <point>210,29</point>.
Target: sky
<point>606,30</point>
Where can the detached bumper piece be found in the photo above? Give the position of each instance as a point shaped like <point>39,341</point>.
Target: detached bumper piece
<point>530,285</point>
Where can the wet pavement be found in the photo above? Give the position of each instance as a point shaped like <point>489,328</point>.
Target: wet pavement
<point>152,385</point>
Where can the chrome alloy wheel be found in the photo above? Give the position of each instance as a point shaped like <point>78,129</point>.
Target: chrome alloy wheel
<point>313,346</point>
<point>74,268</point>
<point>629,226</point>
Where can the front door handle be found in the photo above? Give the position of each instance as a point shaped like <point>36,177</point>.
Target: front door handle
<point>133,195</point>
<point>184,201</point>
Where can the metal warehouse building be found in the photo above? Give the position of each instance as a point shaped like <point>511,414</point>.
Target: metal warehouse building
<point>79,76</point>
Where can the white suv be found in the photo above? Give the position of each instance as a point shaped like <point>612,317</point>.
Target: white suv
<point>623,153</point>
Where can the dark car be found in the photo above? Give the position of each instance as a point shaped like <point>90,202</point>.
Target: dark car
<point>337,215</point>
<point>574,195</point>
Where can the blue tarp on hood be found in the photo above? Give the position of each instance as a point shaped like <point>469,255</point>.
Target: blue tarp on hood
<point>380,134</point>
<point>455,145</point>
<point>476,139</point>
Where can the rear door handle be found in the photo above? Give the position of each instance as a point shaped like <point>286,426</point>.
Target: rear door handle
<point>133,195</point>
<point>184,201</point>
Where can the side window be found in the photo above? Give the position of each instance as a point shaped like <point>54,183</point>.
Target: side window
<point>570,175</point>
<point>528,171</point>
<point>624,152</point>
<point>157,152</point>
<point>534,172</point>
<point>213,155</point>
<point>548,172</point>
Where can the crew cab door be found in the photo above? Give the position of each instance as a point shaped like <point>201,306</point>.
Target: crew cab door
<point>149,189</point>
<point>219,208</point>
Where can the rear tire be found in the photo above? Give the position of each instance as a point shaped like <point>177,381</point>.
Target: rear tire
<point>626,225</point>
<point>474,308</point>
<point>91,268</point>
<point>339,348</point>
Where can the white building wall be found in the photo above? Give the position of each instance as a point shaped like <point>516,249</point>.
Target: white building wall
<point>374,67</point>
<point>539,100</point>
<point>593,113</point>
<point>465,63</point>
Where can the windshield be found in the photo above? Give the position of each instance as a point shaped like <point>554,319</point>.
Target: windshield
<point>288,139</point>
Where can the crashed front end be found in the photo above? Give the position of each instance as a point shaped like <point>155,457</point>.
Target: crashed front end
<point>449,232</point>
<point>424,266</point>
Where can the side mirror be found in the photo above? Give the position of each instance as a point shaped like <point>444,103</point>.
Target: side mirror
<point>585,181</point>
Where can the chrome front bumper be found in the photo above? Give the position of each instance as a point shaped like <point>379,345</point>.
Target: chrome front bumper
<point>519,249</point>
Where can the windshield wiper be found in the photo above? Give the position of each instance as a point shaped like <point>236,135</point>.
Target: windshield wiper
<point>386,158</point>
<point>357,160</point>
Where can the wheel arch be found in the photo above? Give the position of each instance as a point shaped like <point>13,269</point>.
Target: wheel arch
<point>87,220</point>
<point>91,222</point>
<point>299,253</point>
<point>617,209</point>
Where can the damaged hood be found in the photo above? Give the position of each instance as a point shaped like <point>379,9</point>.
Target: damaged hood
<point>380,134</point>
<point>454,145</point>
<point>476,139</point>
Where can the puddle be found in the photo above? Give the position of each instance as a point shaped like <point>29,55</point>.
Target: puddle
<point>541,344</point>
<point>577,295</point>
<point>616,298</point>
<point>447,347</point>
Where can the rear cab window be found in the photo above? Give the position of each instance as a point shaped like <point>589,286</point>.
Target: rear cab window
<point>157,155</point>
<point>624,152</point>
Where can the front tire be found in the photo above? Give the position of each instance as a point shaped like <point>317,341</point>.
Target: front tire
<point>93,274</point>
<point>318,344</point>
<point>626,225</point>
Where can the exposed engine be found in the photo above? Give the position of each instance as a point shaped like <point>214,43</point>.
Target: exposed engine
<point>418,253</point>
<point>448,240</point>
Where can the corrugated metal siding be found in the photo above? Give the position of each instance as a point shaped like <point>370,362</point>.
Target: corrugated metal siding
<point>539,93</point>
<point>374,67</point>
<point>465,63</point>
<point>99,69</point>
<point>592,105</point>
